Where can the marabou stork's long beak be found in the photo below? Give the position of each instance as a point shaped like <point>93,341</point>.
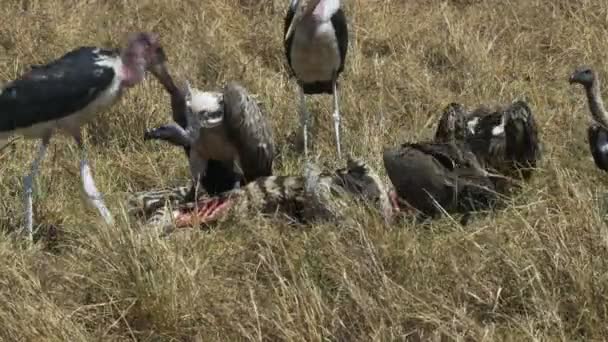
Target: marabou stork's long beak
<point>161,72</point>
<point>304,7</point>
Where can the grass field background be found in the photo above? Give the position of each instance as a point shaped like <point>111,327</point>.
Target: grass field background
<point>537,270</point>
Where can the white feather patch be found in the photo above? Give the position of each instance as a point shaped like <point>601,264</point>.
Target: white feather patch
<point>472,124</point>
<point>498,130</point>
<point>205,101</point>
<point>326,9</point>
<point>602,141</point>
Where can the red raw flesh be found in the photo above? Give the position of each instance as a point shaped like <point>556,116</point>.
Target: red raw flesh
<point>394,200</point>
<point>400,205</point>
<point>209,210</point>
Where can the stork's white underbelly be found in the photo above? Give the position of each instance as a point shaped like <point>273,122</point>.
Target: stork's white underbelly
<point>315,55</point>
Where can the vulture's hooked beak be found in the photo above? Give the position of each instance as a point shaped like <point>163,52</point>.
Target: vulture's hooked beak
<point>212,121</point>
<point>303,8</point>
<point>214,118</point>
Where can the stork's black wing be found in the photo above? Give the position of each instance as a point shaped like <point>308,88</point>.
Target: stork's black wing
<point>55,90</point>
<point>287,43</point>
<point>248,127</point>
<point>598,139</point>
<point>340,25</point>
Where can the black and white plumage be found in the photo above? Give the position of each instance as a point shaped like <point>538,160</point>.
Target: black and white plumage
<point>504,140</point>
<point>597,133</point>
<point>66,93</point>
<point>229,127</point>
<point>316,42</point>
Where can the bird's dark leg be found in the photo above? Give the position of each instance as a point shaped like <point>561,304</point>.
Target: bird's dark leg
<point>88,184</point>
<point>198,169</point>
<point>236,169</point>
<point>28,184</point>
<point>304,119</point>
<point>192,192</point>
<point>336,115</point>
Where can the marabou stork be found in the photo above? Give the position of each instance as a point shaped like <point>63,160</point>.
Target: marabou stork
<point>66,93</point>
<point>597,132</point>
<point>316,41</point>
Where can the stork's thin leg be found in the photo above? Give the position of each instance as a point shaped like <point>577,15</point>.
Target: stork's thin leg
<point>304,119</point>
<point>28,184</point>
<point>88,184</point>
<point>336,116</point>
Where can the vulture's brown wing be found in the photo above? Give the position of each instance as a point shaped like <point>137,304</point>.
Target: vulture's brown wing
<point>248,128</point>
<point>521,138</point>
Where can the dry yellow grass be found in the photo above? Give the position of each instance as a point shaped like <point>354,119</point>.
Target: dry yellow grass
<point>537,270</point>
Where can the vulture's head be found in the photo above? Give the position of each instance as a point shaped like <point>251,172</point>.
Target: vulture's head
<point>205,108</point>
<point>451,122</point>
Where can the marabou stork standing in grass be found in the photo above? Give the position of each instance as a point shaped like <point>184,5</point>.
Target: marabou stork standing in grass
<point>66,93</point>
<point>228,127</point>
<point>597,133</point>
<point>316,41</point>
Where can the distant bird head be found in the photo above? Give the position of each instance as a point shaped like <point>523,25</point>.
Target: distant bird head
<point>583,75</point>
<point>303,8</point>
<point>206,106</point>
<point>144,50</point>
<point>452,119</point>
